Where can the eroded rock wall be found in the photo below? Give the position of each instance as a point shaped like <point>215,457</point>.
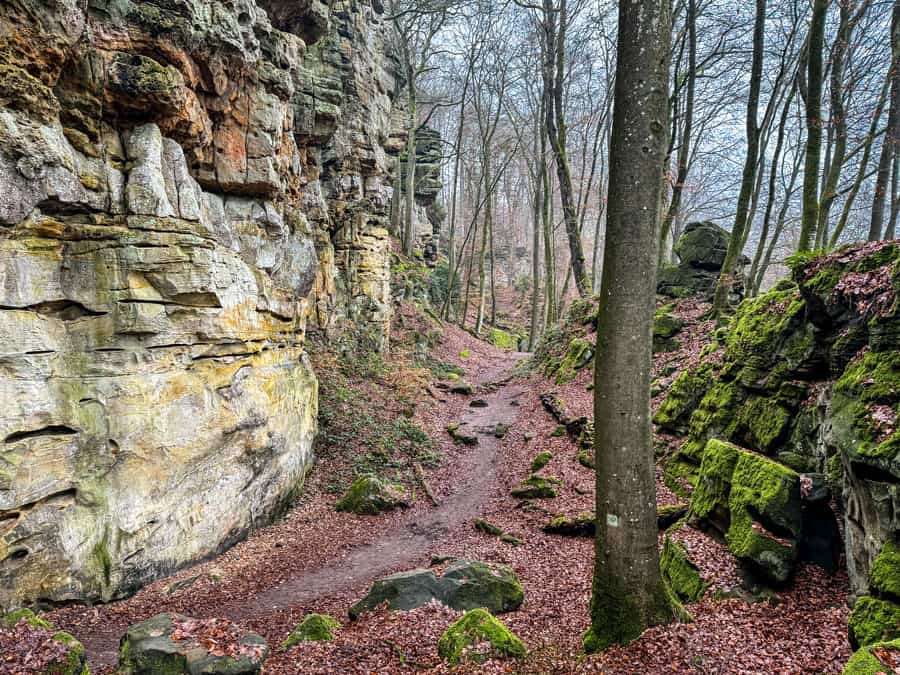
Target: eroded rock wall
<point>185,186</point>
<point>809,375</point>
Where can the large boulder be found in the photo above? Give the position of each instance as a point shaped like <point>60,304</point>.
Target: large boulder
<point>701,251</point>
<point>876,616</point>
<point>702,245</point>
<point>173,643</point>
<point>465,584</point>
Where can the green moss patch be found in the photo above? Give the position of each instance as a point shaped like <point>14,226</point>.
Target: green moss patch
<point>884,575</point>
<point>477,637</point>
<point>541,460</point>
<point>873,620</point>
<point>874,660</point>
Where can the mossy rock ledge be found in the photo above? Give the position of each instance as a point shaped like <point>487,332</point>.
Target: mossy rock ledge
<point>754,503</point>
<point>478,637</point>
<point>465,584</point>
<point>369,495</point>
<point>150,648</point>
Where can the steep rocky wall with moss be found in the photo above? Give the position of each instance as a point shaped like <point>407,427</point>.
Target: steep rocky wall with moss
<point>809,375</point>
<point>185,187</point>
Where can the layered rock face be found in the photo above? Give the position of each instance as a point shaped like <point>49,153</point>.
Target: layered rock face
<point>809,375</point>
<point>183,185</point>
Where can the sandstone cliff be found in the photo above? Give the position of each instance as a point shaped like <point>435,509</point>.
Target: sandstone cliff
<point>185,186</point>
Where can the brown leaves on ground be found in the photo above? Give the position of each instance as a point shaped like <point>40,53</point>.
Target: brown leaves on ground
<point>218,637</point>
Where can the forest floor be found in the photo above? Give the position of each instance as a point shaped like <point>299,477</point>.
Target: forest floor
<point>318,560</point>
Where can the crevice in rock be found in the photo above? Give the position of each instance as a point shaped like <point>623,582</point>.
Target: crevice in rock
<point>65,310</point>
<point>874,474</point>
<point>52,430</point>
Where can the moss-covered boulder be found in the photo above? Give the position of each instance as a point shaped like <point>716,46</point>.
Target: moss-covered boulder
<point>503,339</point>
<point>755,503</point>
<point>465,584</point>
<point>173,643</point>
<point>369,495</point>
<point>876,659</point>
<point>313,628</point>
<point>680,573</point>
<point>884,575</point>
<point>702,245</point>
<point>478,637</point>
<point>26,616</point>
<point>536,487</point>
<point>59,654</point>
<point>876,617</point>
<point>766,517</point>
<point>581,525</point>
<point>541,460</point>
<point>586,459</point>
<point>487,527</point>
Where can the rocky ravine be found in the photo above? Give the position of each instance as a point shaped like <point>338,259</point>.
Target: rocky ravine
<point>184,186</point>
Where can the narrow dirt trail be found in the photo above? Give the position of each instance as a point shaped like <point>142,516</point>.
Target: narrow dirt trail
<point>400,547</point>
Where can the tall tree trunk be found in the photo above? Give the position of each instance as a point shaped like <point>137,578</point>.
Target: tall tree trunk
<point>457,150</point>
<point>549,260</point>
<point>779,227</point>
<point>397,199</point>
<point>554,77</point>
<point>770,198</point>
<point>628,592</point>
<point>815,45</point>
<point>535,260</point>
<point>687,128</point>
<point>736,240</point>
<point>891,230</point>
<point>863,164</point>
<point>485,233</point>
<point>838,124</point>
<point>891,142</point>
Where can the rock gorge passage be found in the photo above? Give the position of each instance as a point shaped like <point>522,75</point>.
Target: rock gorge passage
<point>299,312</point>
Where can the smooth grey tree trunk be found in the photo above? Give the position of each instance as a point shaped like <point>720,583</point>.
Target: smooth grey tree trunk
<point>628,592</point>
